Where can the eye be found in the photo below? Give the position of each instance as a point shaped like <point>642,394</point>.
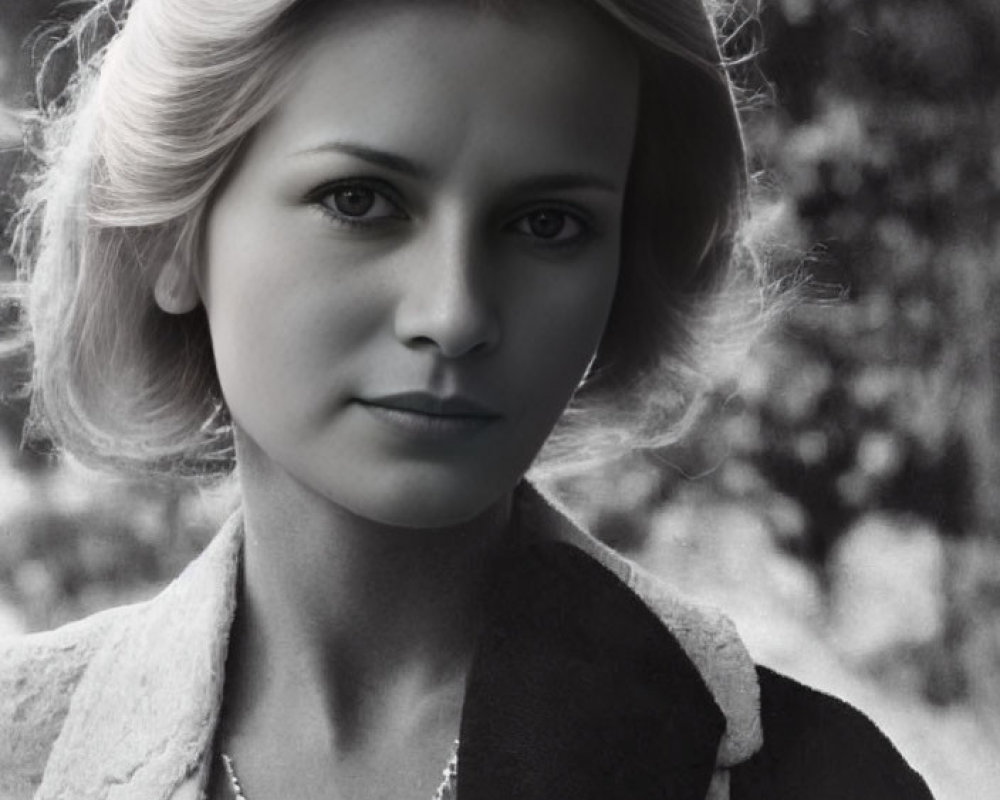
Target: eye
<point>551,226</point>
<point>358,203</point>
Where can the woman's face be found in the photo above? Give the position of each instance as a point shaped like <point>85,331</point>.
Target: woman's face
<point>411,265</point>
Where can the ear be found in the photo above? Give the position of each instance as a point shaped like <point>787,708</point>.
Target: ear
<point>175,290</point>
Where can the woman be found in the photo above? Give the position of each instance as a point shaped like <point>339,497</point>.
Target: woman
<point>372,250</point>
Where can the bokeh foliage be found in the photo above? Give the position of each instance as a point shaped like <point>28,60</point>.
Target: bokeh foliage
<point>888,144</point>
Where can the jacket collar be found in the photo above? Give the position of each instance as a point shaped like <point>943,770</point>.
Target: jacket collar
<point>142,718</point>
<point>590,680</point>
<point>577,691</point>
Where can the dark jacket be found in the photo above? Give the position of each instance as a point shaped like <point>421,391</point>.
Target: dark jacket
<point>591,681</point>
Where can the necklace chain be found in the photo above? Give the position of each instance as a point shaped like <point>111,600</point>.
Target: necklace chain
<point>234,782</point>
<point>446,791</point>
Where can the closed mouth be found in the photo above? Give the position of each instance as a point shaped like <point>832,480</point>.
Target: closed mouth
<point>431,405</point>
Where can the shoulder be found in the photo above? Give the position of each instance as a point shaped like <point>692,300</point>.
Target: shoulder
<point>38,675</point>
<point>819,747</point>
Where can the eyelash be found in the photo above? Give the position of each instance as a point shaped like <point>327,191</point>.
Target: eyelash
<point>582,221</point>
<point>383,192</point>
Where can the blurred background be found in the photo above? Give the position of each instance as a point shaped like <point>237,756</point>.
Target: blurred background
<point>842,499</point>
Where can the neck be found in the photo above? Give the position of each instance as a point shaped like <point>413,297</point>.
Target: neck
<point>364,621</point>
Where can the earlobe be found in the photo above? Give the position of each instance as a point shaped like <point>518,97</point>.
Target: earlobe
<point>175,290</point>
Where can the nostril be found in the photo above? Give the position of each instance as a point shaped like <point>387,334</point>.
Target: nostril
<point>451,331</point>
<point>453,347</point>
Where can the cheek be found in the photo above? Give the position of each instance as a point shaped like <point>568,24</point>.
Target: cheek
<point>288,350</point>
<point>271,294</point>
<point>557,344</point>
<point>259,320</point>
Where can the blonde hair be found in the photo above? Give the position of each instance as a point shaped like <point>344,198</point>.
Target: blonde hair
<point>132,151</point>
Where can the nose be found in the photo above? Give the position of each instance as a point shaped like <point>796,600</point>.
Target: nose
<point>449,302</point>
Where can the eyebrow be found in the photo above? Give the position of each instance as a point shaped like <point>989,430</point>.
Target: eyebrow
<point>563,181</point>
<point>380,158</point>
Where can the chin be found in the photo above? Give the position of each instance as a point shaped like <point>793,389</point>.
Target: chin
<point>429,502</point>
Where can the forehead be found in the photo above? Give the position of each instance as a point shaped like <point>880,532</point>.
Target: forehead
<point>441,79</point>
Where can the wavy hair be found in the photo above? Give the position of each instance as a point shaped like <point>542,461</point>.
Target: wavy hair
<point>164,93</point>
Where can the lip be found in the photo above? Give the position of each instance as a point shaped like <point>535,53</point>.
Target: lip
<point>431,405</point>
<point>426,417</point>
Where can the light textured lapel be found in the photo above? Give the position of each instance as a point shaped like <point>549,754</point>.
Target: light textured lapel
<point>143,715</point>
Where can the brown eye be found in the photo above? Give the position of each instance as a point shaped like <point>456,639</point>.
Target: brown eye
<point>353,201</point>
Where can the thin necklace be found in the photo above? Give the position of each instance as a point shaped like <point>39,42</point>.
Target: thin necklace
<point>448,790</point>
<point>234,782</point>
